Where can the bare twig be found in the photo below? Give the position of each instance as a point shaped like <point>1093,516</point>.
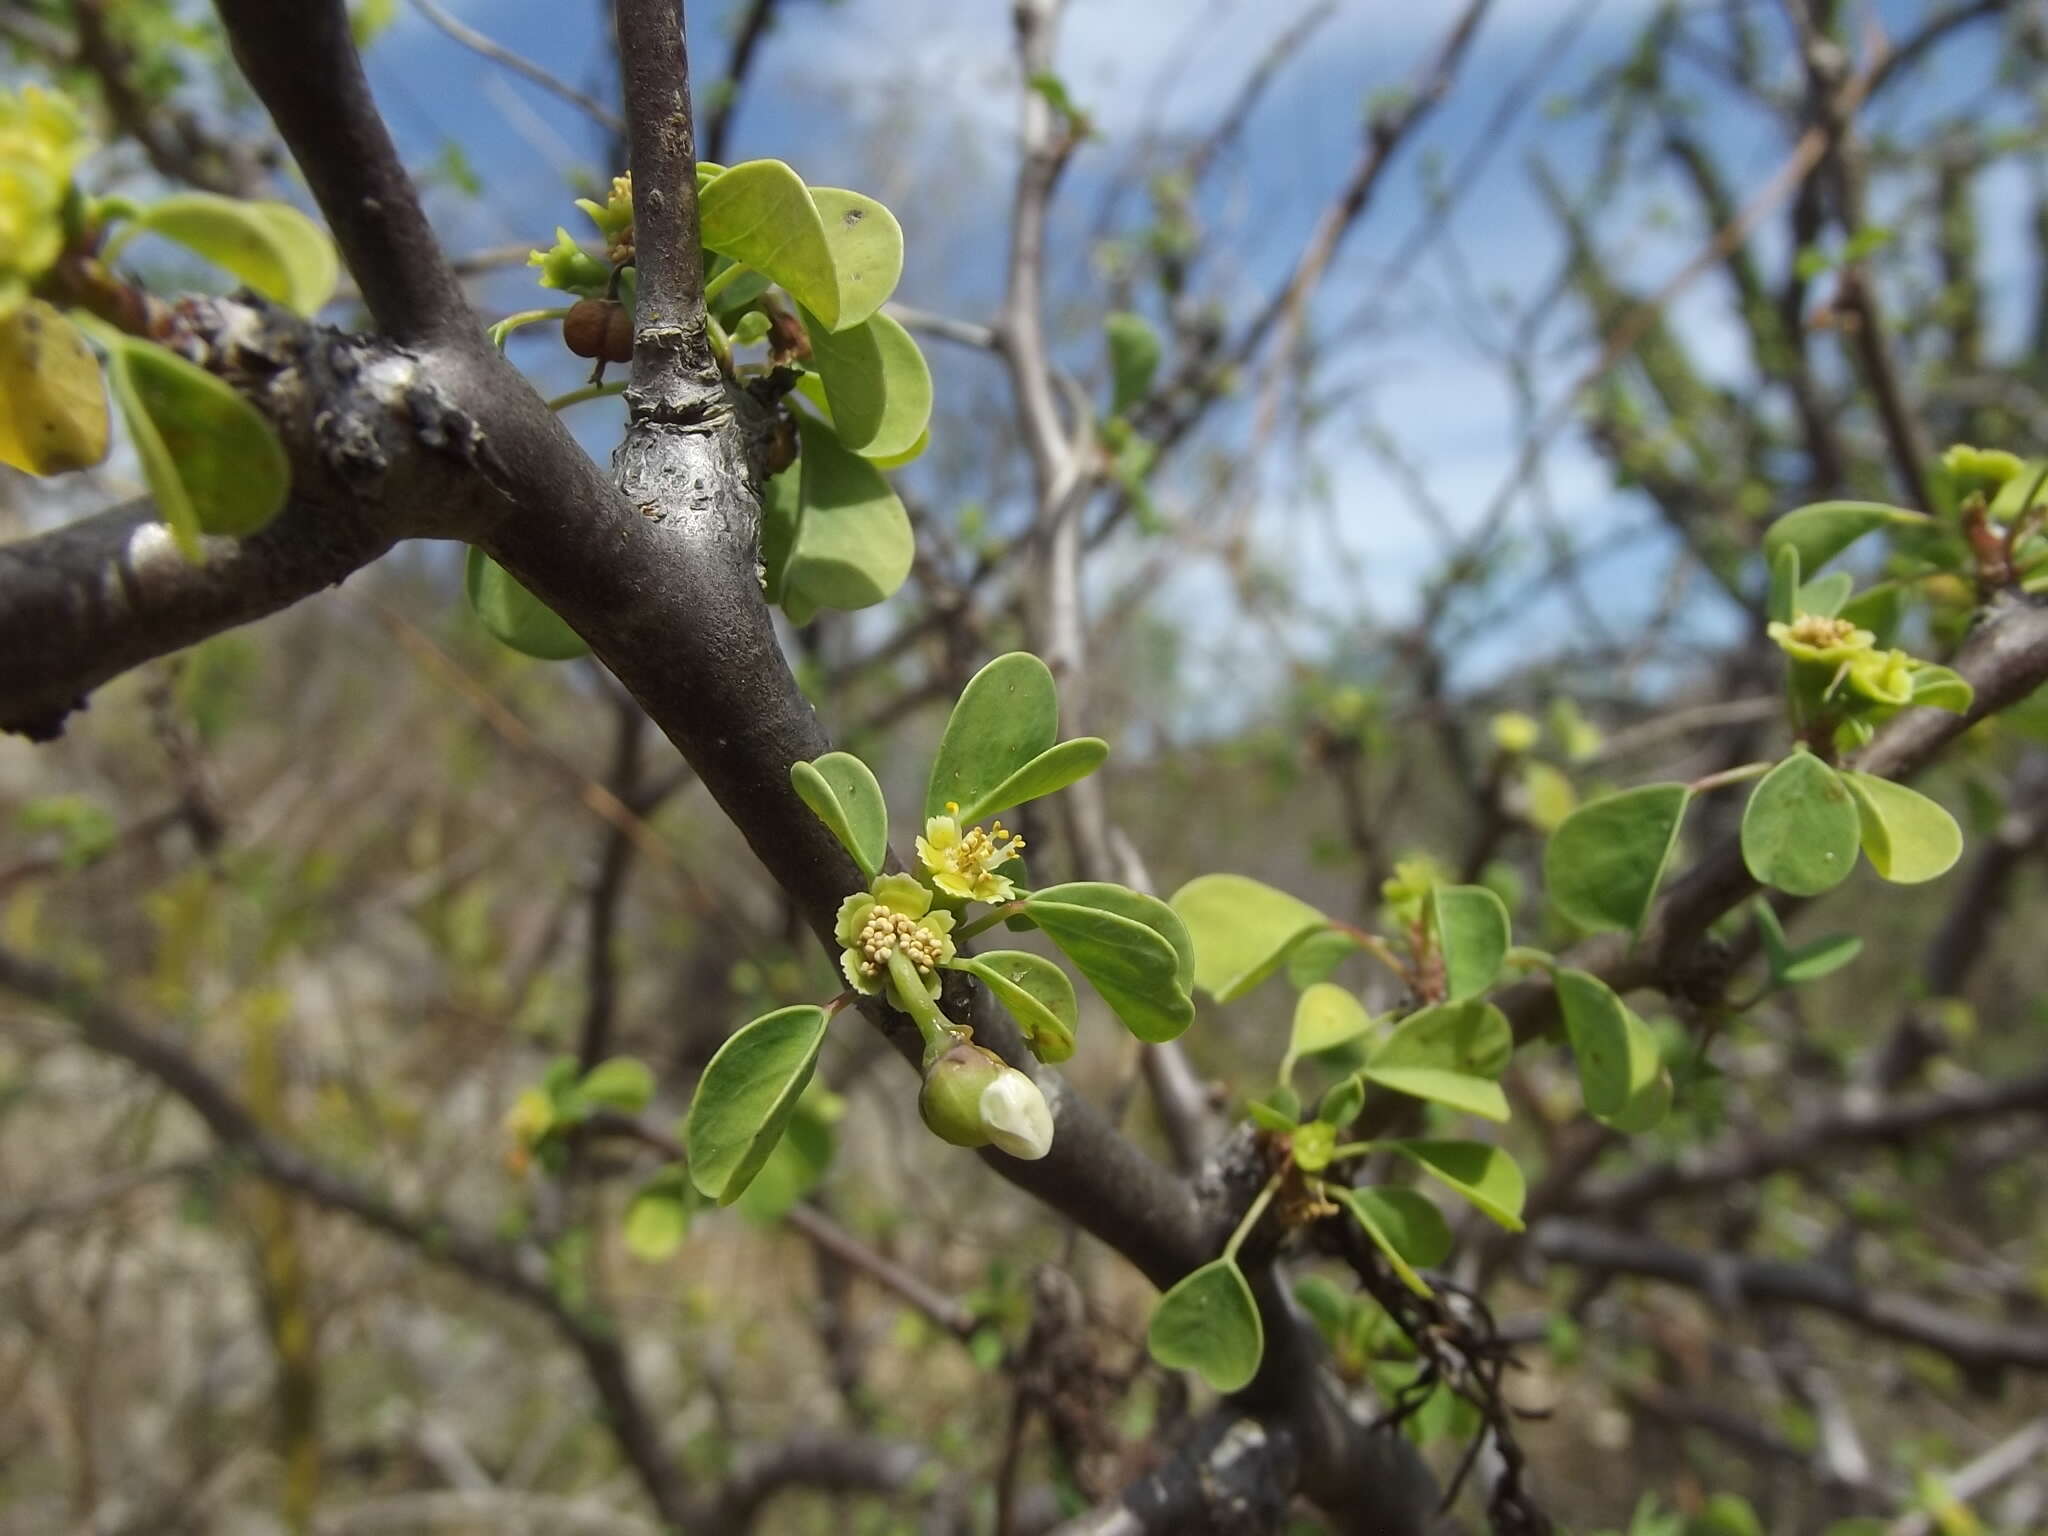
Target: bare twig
<point>454,26</point>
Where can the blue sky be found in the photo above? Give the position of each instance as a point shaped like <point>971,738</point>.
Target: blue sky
<point>915,100</point>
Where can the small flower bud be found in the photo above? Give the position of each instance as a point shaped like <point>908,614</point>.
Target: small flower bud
<point>1016,1115</point>
<point>951,1100</point>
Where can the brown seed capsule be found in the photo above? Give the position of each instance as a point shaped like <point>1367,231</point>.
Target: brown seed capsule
<point>618,336</point>
<point>586,327</point>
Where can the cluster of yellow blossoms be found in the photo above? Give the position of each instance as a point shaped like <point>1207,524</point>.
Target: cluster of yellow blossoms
<point>41,143</point>
<point>965,864</point>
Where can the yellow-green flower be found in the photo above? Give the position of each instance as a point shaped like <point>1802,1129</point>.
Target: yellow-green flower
<point>1822,641</point>
<point>893,915</point>
<point>965,864</point>
<point>1408,888</point>
<point>1885,677</point>
<point>614,218</point>
<point>1515,733</point>
<point>41,142</point>
<point>1984,469</point>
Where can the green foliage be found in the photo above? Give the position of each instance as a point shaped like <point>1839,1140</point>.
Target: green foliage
<point>1325,1017</point>
<point>621,1084</point>
<point>1037,994</point>
<point>1243,931</point>
<point>1906,836</point>
<point>272,247</point>
<point>1471,928</point>
<point>841,791</point>
<point>514,615</point>
<point>842,540</point>
<point>747,1094</point>
<point>1486,1176</point>
<point>761,215</point>
<point>876,385</point>
<point>1618,1061</point>
<point>53,406</point>
<point>1132,948</point>
<point>1001,745</point>
<point>212,461</point>
<point>1133,359</point>
<point>1823,530</point>
<point>1800,828</point>
<point>1603,865</point>
<point>1789,965</point>
<point>1405,1226</point>
<point>1449,1054</point>
<point>658,1216</point>
<point>1209,1324</point>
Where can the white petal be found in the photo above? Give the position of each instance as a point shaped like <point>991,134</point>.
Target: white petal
<point>1016,1116</point>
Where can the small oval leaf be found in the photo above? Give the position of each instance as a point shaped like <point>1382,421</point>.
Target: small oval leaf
<point>1209,1324</point>
<point>1038,995</point>
<point>1007,715</point>
<point>867,251</point>
<point>1243,930</point>
<point>1907,837</point>
<point>1052,770</point>
<point>1471,926</point>
<point>1800,828</point>
<point>514,615</point>
<point>1484,1175</point>
<point>1615,1051</point>
<point>760,213</point>
<point>53,403</point>
<point>851,545</point>
<point>1406,1226</point>
<point>1603,864</point>
<point>1471,1037</point>
<point>842,792</point>
<point>1134,968</point>
<point>1822,531</point>
<point>878,386</point>
<point>1325,1017</point>
<point>270,246</point>
<point>747,1094</point>
<point>1139,908</point>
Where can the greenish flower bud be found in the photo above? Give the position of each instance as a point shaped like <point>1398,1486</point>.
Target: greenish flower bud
<point>1981,469</point>
<point>950,1100</point>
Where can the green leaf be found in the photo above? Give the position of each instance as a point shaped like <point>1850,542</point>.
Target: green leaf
<point>1272,1117</point>
<point>1007,715</point>
<point>1484,1175</point>
<point>1603,864</point>
<point>1448,1054</point>
<point>746,1096</point>
<point>1139,908</point>
<point>53,404</point>
<point>1052,770</point>
<point>1879,609</point>
<point>270,246</point>
<point>1799,830</point>
<point>1783,604</point>
<point>1315,957</point>
<point>761,214</point>
<point>1406,1226</point>
<point>1907,837</point>
<point>852,544</point>
<point>1209,1324</point>
<point>841,790</point>
<point>799,1160</point>
<point>877,385</point>
<point>212,461</point>
<point>867,252</point>
<point>1326,1016</point>
<point>658,1219</point>
<point>1616,1053</point>
<point>1823,530</point>
<point>1473,1095</point>
<point>1133,965</point>
<point>1808,962</point>
<point>1472,1037</point>
<point>1133,358</point>
<point>621,1083</point>
<point>1242,930</point>
<point>1825,595</point>
<point>1471,926</point>
<point>1942,688</point>
<point>514,615</point>
<point>1647,1109</point>
<point>1342,1103</point>
<point>1037,993</point>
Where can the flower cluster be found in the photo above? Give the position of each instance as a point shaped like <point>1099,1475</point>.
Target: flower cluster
<point>894,916</point>
<point>614,219</point>
<point>41,142</point>
<point>965,864</point>
<point>1839,669</point>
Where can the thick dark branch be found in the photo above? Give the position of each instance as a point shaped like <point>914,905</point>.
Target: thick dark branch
<point>302,62</point>
<point>1732,1280</point>
<point>378,451</point>
<point>1231,1476</point>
